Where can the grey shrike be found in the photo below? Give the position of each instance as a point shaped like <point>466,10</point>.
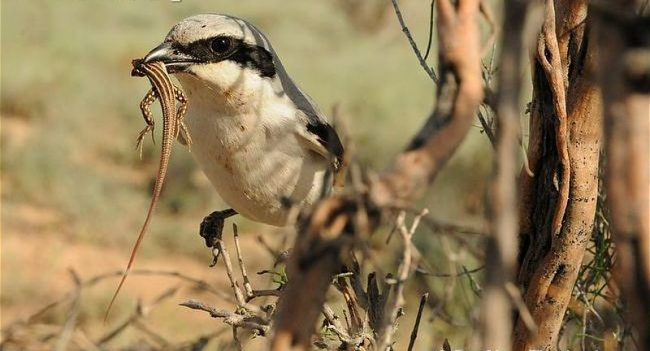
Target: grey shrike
<point>260,140</point>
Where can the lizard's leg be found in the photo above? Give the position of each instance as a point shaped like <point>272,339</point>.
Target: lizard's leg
<point>147,115</point>
<point>212,226</point>
<point>182,134</point>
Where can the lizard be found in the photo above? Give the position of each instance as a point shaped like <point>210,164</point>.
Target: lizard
<point>173,128</point>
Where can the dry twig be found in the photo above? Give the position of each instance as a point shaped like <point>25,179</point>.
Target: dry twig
<point>387,329</point>
<point>416,326</point>
<point>234,319</point>
<point>408,35</point>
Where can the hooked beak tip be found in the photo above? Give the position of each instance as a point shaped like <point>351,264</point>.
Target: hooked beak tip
<point>173,58</point>
<point>162,52</point>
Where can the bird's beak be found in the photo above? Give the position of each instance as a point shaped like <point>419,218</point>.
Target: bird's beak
<point>174,58</point>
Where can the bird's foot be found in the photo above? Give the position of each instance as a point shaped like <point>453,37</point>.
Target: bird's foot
<point>212,226</point>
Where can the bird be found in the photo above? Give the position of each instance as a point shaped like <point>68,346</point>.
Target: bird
<point>259,138</point>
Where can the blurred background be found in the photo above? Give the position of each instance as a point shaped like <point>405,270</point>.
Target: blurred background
<point>74,192</point>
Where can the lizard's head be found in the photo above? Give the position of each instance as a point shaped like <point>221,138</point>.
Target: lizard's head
<point>217,50</point>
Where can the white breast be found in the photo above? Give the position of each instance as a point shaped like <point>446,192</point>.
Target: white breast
<point>244,140</point>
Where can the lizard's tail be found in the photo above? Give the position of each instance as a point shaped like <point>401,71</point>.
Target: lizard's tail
<point>136,246</point>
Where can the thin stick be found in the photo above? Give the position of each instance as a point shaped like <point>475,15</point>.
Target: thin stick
<point>418,54</point>
<point>236,340</point>
<point>487,128</point>
<point>140,311</point>
<point>231,275</point>
<point>430,40</point>
<point>387,329</point>
<point>230,318</point>
<point>71,321</point>
<point>240,258</point>
<point>414,332</point>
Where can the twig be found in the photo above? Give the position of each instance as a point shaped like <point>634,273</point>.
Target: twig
<point>524,312</point>
<point>221,250</point>
<point>449,275</point>
<point>430,40</point>
<point>159,339</point>
<point>386,331</point>
<point>416,326</point>
<point>91,282</point>
<point>140,312</point>
<point>233,319</point>
<point>438,225</point>
<point>418,54</point>
<point>71,320</point>
<point>489,17</point>
<point>356,324</point>
<point>487,128</point>
<point>524,157</point>
<point>240,258</point>
<point>335,324</point>
<point>278,255</point>
<point>265,292</point>
<point>236,340</point>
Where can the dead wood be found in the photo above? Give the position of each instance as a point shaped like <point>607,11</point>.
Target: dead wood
<point>336,223</point>
<point>558,204</point>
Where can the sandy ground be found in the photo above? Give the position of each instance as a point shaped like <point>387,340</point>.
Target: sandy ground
<point>36,266</point>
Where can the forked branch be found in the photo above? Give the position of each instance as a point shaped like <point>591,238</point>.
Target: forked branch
<point>333,227</point>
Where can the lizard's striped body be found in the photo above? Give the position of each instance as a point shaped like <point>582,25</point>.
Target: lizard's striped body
<point>163,89</point>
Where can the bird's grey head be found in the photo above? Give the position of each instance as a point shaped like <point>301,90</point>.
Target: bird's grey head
<point>227,55</point>
<point>216,49</point>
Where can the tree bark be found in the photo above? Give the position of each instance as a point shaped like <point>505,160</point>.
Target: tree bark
<point>558,204</point>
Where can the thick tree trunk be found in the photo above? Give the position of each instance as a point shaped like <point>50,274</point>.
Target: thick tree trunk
<point>558,204</point>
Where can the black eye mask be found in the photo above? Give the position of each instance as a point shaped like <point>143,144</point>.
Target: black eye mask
<point>246,55</point>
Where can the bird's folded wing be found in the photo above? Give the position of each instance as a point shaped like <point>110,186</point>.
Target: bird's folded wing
<point>320,137</point>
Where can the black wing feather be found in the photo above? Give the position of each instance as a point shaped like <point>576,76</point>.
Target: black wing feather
<point>327,136</point>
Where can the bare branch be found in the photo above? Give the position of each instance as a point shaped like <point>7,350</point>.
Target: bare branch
<point>408,35</point>
<point>73,313</point>
<point>220,249</point>
<point>416,326</point>
<point>139,312</point>
<point>333,226</point>
<point>233,319</point>
<point>240,259</point>
<point>459,95</point>
<point>395,305</point>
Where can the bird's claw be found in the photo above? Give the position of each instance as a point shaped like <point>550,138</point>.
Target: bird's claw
<point>211,228</point>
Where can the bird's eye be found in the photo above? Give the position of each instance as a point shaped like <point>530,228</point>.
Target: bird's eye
<point>221,45</point>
